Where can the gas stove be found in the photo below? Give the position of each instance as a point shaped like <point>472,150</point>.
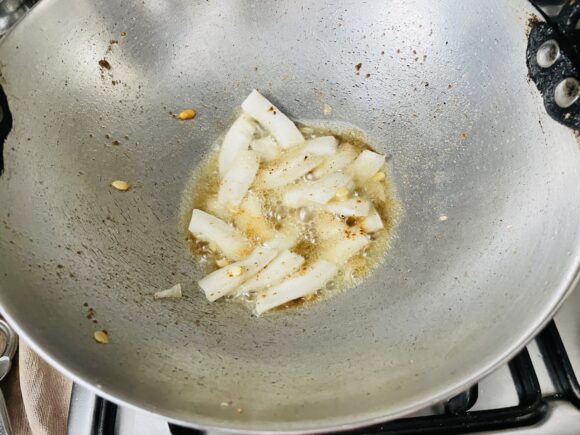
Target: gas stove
<point>536,393</point>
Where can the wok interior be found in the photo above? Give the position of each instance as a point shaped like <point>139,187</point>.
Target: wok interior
<point>468,139</point>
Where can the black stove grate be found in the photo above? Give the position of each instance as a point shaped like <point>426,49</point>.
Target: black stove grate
<point>457,417</point>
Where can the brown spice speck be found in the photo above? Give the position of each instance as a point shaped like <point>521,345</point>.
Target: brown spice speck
<point>116,142</point>
<point>123,33</point>
<point>358,66</point>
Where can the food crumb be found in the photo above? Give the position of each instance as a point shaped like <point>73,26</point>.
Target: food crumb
<point>101,337</point>
<point>326,109</point>
<point>123,33</point>
<point>104,63</point>
<point>116,142</point>
<point>239,410</point>
<point>120,185</point>
<point>443,218</point>
<point>224,404</point>
<point>187,114</point>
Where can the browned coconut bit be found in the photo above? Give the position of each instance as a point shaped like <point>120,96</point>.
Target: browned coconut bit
<point>101,337</point>
<point>187,114</point>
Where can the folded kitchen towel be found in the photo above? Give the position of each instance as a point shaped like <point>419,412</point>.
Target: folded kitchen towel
<point>37,396</point>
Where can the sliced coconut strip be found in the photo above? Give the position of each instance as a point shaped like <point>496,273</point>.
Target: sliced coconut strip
<point>288,169</point>
<point>217,208</point>
<point>329,226</point>
<point>223,281</point>
<point>345,155</point>
<point>266,148</point>
<point>278,124</point>
<point>252,204</point>
<point>321,146</point>
<point>350,207</point>
<point>286,238</point>
<point>237,139</point>
<point>367,164</point>
<point>299,285</point>
<point>282,266</point>
<point>372,222</point>
<point>319,192</point>
<point>341,248</point>
<point>173,292</point>
<point>239,178</point>
<point>229,240</point>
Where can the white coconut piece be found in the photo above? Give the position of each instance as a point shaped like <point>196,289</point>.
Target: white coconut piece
<point>367,164</point>
<point>173,292</point>
<point>277,123</point>
<point>239,178</point>
<point>297,286</point>
<point>317,192</point>
<point>287,170</point>
<point>372,222</point>
<point>350,207</point>
<point>340,249</point>
<point>237,139</point>
<point>282,266</point>
<point>283,239</point>
<point>345,155</point>
<point>225,280</point>
<point>329,226</point>
<point>217,208</point>
<point>266,148</point>
<point>321,146</point>
<point>228,240</point>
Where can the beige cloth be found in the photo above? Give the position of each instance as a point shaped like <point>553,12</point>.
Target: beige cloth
<point>37,396</point>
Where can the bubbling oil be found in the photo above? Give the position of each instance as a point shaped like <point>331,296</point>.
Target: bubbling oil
<point>278,218</point>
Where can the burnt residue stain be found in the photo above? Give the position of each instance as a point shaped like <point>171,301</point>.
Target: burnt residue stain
<point>532,20</point>
<point>111,43</point>
<point>104,64</point>
<point>91,313</point>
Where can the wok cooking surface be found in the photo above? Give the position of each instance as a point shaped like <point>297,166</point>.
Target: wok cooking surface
<point>442,312</point>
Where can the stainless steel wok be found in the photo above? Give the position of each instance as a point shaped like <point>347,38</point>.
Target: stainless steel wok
<point>442,89</point>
